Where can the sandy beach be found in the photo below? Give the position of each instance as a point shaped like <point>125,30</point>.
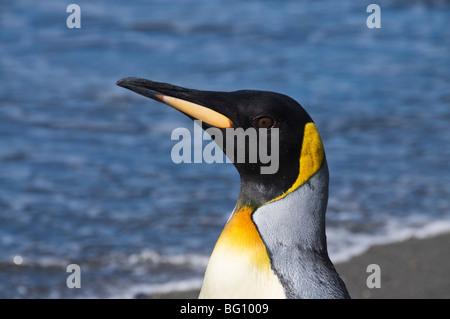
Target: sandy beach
<point>416,268</point>
<point>413,269</point>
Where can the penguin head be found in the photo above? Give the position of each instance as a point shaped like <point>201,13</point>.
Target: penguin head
<point>271,120</point>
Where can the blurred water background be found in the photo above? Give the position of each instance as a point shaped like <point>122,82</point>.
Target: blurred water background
<point>85,170</point>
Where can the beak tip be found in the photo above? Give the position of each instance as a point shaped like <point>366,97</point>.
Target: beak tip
<point>139,86</point>
<point>126,82</point>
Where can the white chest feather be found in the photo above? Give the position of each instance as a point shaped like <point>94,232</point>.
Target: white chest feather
<point>233,275</point>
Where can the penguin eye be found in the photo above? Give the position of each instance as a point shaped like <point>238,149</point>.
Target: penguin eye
<point>264,122</point>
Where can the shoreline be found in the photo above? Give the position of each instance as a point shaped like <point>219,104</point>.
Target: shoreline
<point>417,268</point>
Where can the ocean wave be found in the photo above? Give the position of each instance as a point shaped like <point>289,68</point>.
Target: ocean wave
<point>186,260</point>
<point>160,288</point>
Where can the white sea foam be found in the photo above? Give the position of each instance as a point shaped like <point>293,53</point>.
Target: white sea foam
<point>150,256</point>
<point>343,245</point>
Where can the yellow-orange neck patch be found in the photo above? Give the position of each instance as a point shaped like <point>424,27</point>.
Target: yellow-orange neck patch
<point>311,158</point>
<point>241,236</point>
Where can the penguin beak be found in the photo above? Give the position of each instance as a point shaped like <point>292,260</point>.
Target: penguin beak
<point>179,98</point>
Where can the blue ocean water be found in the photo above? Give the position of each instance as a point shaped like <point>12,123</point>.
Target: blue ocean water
<point>85,170</point>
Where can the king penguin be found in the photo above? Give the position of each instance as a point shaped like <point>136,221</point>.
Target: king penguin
<point>274,244</point>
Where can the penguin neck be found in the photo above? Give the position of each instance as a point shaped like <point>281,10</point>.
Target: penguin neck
<point>259,189</point>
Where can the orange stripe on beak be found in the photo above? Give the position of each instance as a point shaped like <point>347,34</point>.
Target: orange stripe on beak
<point>199,112</point>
